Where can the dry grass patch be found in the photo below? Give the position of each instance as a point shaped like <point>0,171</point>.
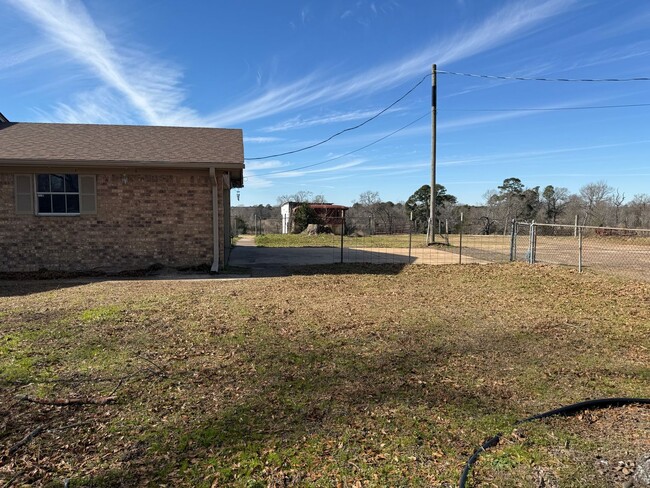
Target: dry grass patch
<point>350,374</point>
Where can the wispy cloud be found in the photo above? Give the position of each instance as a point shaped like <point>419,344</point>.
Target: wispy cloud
<point>275,100</point>
<point>348,170</point>
<point>364,12</point>
<point>535,69</point>
<point>151,88</point>
<point>333,178</point>
<point>621,26</point>
<point>517,19</point>
<point>304,14</point>
<point>534,154</point>
<point>464,122</point>
<point>298,122</point>
<point>255,181</point>
<point>485,118</point>
<point>261,139</point>
<point>606,56</point>
<point>91,106</point>
<point>12,57</point>
<point>296,173</point>
<point>514,20</point>
<point>396,167</point>
<point>253,166</point>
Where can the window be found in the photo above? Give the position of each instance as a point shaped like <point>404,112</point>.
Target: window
<point>57,194</point>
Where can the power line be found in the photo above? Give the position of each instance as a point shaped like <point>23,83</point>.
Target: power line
<point>474,75</point>
<point>346,154</point>
<point>344,130</point>
<point>590,107</point>
<point>522,78</point>
<point>549,109</point>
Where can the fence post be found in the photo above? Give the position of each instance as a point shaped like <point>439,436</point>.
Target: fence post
<point>410,237</point>
<point>579,249</point>
<point>533,255</point>
<point>531,243</point>
<point>513,241</point>
<point>342,232</point>
<point>460,241</point>
<point>575,227</point>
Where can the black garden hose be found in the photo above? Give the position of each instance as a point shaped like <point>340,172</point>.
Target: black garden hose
<point>566,410</point>
<point>491,442</point>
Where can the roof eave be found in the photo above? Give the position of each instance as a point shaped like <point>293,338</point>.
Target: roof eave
<point>122,164</point>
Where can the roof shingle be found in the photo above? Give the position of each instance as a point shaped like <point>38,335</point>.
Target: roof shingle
<point>24,142</point>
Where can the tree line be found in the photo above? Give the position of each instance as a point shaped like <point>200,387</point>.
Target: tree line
<point>595,204</point>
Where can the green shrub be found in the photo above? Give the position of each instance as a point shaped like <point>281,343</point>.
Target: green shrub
<point>303,216</point>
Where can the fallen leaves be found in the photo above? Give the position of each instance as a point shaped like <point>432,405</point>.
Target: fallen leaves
<point>370,378</point>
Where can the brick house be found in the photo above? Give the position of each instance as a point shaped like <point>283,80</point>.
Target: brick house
<point>106,197</point>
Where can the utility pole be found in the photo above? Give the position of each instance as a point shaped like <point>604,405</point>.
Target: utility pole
<point>431,231</point>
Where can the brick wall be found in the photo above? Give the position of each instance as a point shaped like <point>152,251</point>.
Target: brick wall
<point>142,218</point>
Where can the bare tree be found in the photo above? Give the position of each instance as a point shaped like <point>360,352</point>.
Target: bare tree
<point>639,209</point>
<point>595,197</point>
<point>369,202</point>
<point>617,200</point>
<point>369,198</point>
<point>301,196</point>
<point>370,214</point>
<point>492,212</point>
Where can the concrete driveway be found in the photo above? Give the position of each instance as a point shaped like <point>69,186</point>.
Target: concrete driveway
<point>275,261</point>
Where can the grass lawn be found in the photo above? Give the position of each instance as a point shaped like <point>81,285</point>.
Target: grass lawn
<point>342,376</point>
<point>492,242</point>
<point>331,240</point>
<point>299,240</point>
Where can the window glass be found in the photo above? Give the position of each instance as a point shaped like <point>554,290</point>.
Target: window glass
<point>72,203</point>
<point>43,183</point>
<point>44,203</point>
<point>72,183</point>
<point>57,194</point>
<point>58,203</point>
<point>56,183</point>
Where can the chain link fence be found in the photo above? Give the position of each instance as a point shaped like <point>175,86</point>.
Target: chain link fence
<point>625,252</point>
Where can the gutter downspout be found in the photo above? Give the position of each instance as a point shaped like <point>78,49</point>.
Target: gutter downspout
<point>215,222</point>
<point>227,225</point>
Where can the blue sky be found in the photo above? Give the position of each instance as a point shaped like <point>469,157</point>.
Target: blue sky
<point>292,73</point>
